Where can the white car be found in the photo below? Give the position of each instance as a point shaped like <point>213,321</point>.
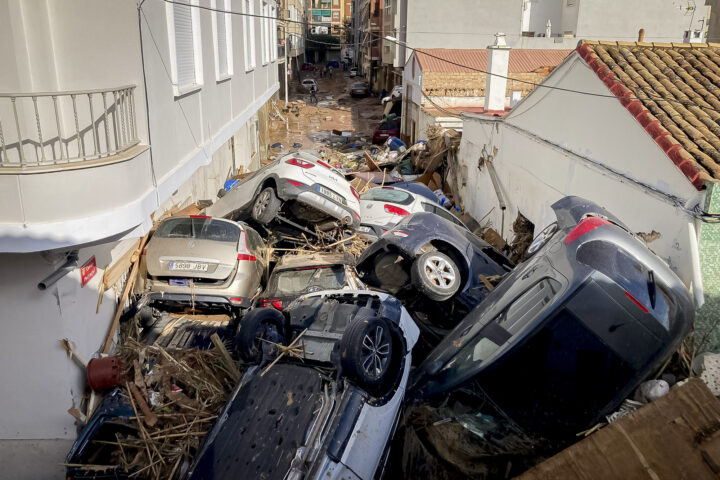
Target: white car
<point>395,94</point>
<point>353,72</point>
<point>309,83</point>
<point>381,208</point>
<point>299,183</point>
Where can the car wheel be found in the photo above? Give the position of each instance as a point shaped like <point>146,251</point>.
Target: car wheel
<point>266,206</point>
<point>366,351</point>
<point>435,275</point>
<point>257,324</point>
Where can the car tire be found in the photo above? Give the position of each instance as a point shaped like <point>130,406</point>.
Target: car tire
<point>266,206</point>
<point>436,276</point>
<point>265,323</point>
<point>366,350</point>
<point>147,316</point>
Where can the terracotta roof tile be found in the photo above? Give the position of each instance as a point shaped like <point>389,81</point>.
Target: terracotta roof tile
<point>521,60</point>
<point>640,75</point>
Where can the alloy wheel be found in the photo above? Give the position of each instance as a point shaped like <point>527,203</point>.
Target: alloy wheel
<point>439,272</point>
<point>375,352</point>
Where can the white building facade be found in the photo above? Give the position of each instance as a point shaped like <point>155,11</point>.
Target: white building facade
<point>111,112</point>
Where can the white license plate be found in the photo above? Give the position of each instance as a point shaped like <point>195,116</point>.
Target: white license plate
<point>331,194</point>
<point>189,266</point>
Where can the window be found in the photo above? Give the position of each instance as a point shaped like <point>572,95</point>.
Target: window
<point>183,23</point>
<point>336,14</point>
<point>273,32</point>
<point>265,33</point>
<point>199,229</point>
<point>222,35</point>
<point>388,194</point>
<point>249,34</point>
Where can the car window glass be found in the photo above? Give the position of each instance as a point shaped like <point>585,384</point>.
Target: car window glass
<point>428,207</point>
<point>388,195</point>
<point>199,228</point>
<point>292,282</point>
<point>449,216</point>
<point>255,242</point>
<point>625,270</point>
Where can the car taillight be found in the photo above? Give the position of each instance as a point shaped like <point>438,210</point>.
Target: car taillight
<point>399,233</point>
<point>395,210</point>
<point>245,256</point>
<point>293,182</point>
<point>272,302</point>
<point>235,300</point>
<point>585,226</point>
<point>357,217</point>
<point>299,163</point>
<point>355,193</point>
<point>637,302</point>
<point>324,164</point>
<point>388,188</point>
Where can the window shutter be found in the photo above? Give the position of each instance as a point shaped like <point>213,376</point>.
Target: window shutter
<point>184,44</point>
<point>222,44</point>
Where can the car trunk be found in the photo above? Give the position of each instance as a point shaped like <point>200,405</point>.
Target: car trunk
<point>191,258</point>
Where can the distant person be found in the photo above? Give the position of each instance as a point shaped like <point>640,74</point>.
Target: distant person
<point>330,71</point>
<point>313,94</point>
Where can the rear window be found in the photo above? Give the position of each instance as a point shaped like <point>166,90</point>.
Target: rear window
<point>304,280</point>
<point>630,274</point>
<point>199,228</point>
<point>388,195</point>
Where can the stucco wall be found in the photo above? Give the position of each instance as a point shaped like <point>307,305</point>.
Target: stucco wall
<point>558,143</point>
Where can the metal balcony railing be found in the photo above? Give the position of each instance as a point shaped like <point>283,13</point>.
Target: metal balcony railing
<point>61,128</point>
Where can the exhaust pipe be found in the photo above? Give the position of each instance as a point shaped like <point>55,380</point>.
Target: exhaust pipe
<point>70,264</point>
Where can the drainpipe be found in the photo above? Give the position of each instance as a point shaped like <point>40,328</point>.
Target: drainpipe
<point>402,34</point>
<point>70,264</point>
<point>498,192</point>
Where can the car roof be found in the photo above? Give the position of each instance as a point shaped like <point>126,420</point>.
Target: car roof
<point>241,225</point>
<point>314,260</point>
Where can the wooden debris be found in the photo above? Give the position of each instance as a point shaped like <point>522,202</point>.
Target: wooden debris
<point>229,363</point>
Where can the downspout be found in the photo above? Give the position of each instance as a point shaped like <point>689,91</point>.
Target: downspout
<point>147,104</point>
<point>501,200</point>
<point>70,264</point>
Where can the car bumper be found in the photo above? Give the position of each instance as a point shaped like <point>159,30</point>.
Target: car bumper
<point>309,195</point>
<point>198,298</point>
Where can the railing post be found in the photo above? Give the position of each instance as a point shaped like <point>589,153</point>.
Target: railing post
<point>105,122</point>
<point>59,128</point>
<point>39,129</point>
<point>115,121</point>
<point>17,126</point>
<point>133,122</point>
<point>92,125</point>
<point>81,148</point>
<point>2,141</point>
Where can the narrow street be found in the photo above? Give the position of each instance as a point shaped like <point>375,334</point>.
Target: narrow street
<point>312,125</point>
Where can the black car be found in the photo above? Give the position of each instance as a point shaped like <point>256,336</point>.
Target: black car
<point>568,334</point>
<point>439,258</point>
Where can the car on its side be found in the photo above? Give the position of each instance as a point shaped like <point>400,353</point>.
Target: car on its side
<point>299,183</point>
<point>359,89</point>
<point>381,208</point>
<point>296,275</point>
<point>200,261</point>
<point>309,84</point>
<point>568,334</point>
<point>328,411</point>
<point>386,129</point>
<point>436,257</point>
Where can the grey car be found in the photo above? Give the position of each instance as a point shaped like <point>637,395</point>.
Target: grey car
<point>212,263</point>
<point>360,89</point>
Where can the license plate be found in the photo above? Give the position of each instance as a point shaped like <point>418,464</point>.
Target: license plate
<point>189,266</point>
<point>329,193</point>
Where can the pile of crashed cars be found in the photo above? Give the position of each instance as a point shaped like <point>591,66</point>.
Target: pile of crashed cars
<point>336,353</point>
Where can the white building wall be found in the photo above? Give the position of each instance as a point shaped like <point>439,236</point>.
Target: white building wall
<point>557,143</point>
<point>543,10</point>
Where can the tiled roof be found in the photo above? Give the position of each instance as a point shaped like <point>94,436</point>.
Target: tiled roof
<point>639,74</point>
<point>521,60</point>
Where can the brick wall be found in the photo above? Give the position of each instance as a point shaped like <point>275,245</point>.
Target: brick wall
<point>473,84</point>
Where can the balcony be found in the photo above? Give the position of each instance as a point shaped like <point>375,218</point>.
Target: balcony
<point>46,131</point>
<point>72,168</point>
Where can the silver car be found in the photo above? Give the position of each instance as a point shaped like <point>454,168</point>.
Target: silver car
<point>205,262</point>
<point>299,183</point>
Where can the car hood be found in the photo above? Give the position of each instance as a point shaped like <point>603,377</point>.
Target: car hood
<point>221,257</point>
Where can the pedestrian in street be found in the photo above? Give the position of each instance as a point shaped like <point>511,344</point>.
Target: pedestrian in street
<point>330,71</point>
<point>322,72</point>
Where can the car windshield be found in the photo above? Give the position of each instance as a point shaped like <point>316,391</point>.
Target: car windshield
<point>359,85</point>
<point>199,228</point>
<point>388,195</point>
<point>305,279</point>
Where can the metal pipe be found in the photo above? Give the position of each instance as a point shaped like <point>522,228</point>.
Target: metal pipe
<point>498,192</point>
<point>70,264</point>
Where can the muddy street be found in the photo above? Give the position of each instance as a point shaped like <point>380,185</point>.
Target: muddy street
<point>312,124</point>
